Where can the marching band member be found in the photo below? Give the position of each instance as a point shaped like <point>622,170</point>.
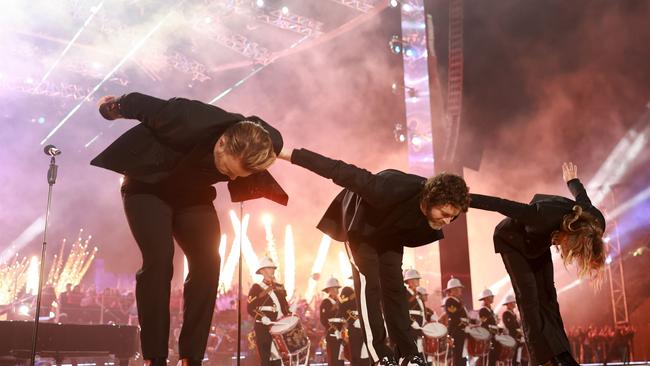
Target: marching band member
<point>488,321</point>
<point>267,302</point>
<point>512,325</point>
<point>416,306</point>
<point>429,314</point>
<point>349,310</point>
<point>456,318</point>
<point>330,317</point>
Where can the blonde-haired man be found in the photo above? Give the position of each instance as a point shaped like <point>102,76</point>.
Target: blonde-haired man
<point>170,162</point>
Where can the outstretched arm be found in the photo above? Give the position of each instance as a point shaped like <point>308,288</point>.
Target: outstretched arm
<point>525,213</point>
<point>377,190</point>
<point>175,120</point>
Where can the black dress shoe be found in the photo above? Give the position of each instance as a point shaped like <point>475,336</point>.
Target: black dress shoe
<point>387,361</point>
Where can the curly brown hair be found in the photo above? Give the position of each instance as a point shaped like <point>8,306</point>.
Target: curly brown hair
<point>443,189</point>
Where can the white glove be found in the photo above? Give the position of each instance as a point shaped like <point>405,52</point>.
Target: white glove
<point>415,325</point>
<point>337,334</point>
<point>357,323</point>
<point>266,320</point>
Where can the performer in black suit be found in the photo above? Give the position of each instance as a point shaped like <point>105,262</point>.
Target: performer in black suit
<point>377,215</point>
<point>524,240</point>
<point>267,302</point>
<point>170,162</point>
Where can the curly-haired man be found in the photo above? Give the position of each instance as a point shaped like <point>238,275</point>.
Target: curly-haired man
<point>377,215</point>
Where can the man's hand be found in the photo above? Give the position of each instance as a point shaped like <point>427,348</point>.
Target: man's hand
<point>569,171</point>
<point>109,107</point>
<point>285,154</point>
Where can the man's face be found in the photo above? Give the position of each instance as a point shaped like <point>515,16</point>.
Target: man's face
<point>488,300</point>
<point>441,215</point>
<point>413,283</point>
<point>456,291</point>
<point>268,273</point>
<point>511,306</point>
<point>226,163</point>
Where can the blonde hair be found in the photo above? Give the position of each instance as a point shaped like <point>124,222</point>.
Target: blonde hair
<point>252,143</point>
<point>580,241</point>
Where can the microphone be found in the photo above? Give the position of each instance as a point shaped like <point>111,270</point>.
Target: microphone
<point>51,150</point>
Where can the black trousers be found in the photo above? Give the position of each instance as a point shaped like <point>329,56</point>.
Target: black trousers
<point>379,283</point>
<point>333,348</point>
<point>457,350</point>
<point>533,283</point>
<point>155,220</point>
<point>356,344</point>
<point>263,341</point>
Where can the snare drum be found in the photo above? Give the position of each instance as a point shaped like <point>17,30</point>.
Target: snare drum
<point>505,347</point>
<point>289,336</point>
<point>435,338</point>
<point>478,342</point>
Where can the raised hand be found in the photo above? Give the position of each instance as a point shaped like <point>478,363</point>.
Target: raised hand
<point>569,171</point>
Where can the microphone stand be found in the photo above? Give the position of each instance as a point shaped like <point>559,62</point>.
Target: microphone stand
<point>239,289</point>
<point>51,179</point>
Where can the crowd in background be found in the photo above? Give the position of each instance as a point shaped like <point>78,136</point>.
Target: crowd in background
<point>85,305</point>
<point>591,344</point>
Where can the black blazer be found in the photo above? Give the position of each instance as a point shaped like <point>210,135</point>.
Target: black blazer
<point>528,227</point>
<point>381,208</point>
<point>169,132</point>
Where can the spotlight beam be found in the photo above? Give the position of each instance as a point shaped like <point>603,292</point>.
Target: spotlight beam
<point>126,57</point>
<point>72,41</point>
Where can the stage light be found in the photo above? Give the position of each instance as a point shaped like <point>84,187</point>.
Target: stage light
<point>394,3</point>
<point>207,20</point>
<point>416,141</point>
<point>23,309</point>
<point>259,3</point>
<point>29,80</point>
<point>409,51</point>
<point>395,45</point>
<point>608,260</point>
<point>41,120</point>
<point>285,10</point>
<point>607,239</point>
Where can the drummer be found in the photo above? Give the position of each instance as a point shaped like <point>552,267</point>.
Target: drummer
<point>429,314</point>
<point>267,302</point>
<point>330,317</point>
<point>349,310</point>
<point>488,321</point>
<point>512,325</point>
<point>416,306</point>
<point>457,318</point>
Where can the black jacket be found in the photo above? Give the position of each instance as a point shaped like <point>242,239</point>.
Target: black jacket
<point>173,132</point>
<point>511,323</point>
<point>487,317</point>
<point>330,309</point>
<point>528,227</point>
<point>383,207</point>
<point>261,304</point>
